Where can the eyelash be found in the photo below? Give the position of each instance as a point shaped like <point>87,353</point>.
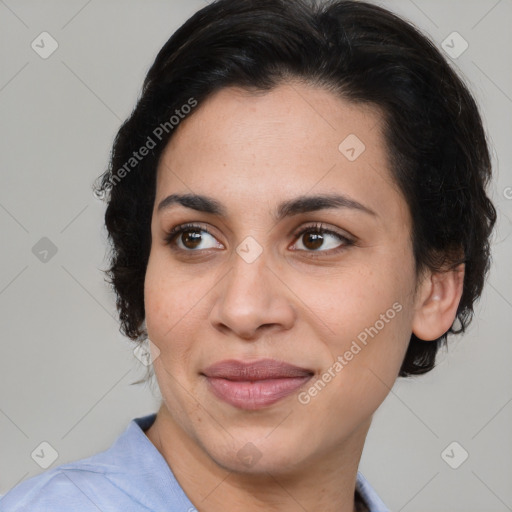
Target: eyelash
<point>316,228</point>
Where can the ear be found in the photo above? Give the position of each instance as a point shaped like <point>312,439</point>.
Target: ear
<point>437,302</point>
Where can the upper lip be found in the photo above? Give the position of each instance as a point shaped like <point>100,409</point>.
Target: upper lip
<point>262,369</point>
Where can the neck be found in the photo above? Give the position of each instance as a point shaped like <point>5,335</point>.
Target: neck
<point>325,483</point>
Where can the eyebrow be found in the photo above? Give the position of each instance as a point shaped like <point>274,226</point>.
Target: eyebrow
<point>301,204</point>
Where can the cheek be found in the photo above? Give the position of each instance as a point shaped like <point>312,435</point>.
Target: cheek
<point>366,326</point>
<point>174,302</point>
<point>351,302</point>
<point>166,300</point>
<point>362,372</point>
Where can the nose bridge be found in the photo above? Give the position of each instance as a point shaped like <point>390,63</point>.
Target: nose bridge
<point>248,279</point>
<point>251,295</point>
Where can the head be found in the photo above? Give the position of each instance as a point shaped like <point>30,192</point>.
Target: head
<point>261,119</point>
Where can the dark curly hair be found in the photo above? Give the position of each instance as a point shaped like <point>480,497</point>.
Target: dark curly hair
<point>367,55</point>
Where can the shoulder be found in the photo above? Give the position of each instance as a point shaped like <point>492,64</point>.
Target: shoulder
<point>104,481</point>
<point>79,487</point>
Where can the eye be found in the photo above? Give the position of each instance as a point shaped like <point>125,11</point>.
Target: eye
<point>191,237</point>
<point>317,238</point>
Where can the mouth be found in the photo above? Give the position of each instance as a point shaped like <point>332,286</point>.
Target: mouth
<point>256,384</point>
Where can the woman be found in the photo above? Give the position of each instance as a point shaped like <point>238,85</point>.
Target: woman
<point>298,216</point>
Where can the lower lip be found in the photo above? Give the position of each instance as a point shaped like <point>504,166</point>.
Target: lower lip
<point>257,394</point>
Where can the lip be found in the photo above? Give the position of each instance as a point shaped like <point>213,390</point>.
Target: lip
<point>255,384</point>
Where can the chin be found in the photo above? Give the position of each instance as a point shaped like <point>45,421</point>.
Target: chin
<point>279,455</point>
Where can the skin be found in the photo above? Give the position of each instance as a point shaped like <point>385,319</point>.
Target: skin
<point>250,152</point>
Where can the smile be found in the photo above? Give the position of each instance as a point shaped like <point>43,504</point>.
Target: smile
<point>255,385</point>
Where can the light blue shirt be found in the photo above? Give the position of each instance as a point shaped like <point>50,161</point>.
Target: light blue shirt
<point>130,476</point>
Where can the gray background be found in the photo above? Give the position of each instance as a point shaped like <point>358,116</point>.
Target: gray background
<point>65,369</point>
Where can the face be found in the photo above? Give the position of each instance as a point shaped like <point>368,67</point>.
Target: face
<point>323,288</point>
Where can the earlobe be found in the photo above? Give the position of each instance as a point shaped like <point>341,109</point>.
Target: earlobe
<point>437,303</point>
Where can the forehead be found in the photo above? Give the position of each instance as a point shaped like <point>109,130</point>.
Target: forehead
<point>310,121</point>
<point>290,140</point>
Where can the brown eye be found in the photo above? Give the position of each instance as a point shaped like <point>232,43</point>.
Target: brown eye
<point>312,240</point>
<point>318,239</point>
<point>190,237</point>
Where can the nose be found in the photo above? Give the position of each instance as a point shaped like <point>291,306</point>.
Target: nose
<point>252,299</point>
